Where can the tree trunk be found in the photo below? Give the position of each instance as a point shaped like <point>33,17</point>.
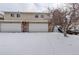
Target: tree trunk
<point>65,33</point>
<point>53,26</point>
<point>65,29</point>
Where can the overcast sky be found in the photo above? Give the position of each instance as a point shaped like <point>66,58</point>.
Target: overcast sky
<point>27,6</point>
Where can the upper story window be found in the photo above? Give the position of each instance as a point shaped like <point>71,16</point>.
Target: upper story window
<point>36,16</point>
<point>18,15</point>
<point>42,16</point>
<point>12,15</point>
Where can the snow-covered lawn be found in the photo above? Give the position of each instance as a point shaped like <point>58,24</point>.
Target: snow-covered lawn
<point>38,43</point>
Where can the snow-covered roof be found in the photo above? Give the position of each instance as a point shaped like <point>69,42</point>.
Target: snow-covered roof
<point>1,13</point>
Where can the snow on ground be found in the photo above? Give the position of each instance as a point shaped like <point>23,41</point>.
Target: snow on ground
<point>38,43</point>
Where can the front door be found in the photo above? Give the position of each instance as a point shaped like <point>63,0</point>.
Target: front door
<point>25,26</point>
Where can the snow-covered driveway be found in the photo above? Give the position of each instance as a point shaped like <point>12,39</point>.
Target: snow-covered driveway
<point>38,43</point>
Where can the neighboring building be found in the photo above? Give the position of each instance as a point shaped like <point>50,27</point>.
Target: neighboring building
<point>25,22</point>
<point>1,17</point>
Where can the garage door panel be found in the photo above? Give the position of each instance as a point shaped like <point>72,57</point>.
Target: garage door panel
<point>11,27</point>
<point>38,27</point>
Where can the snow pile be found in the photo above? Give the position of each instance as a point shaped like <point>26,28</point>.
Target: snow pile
<point>56,29</point>
<point>38,43</point>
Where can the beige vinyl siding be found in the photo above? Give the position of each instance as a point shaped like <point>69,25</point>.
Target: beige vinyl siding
<point>25,16</point>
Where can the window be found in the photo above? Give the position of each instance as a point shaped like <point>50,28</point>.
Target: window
<point>18,15</point>
<point>42,16</point>
<point>12,15</point>
<point>36,16</point>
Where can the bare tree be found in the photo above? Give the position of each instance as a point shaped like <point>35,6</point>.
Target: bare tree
<point>56,18</point>
<point>73,17</point>
<point>60,18</point>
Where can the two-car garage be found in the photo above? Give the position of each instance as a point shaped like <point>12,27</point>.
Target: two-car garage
<point>23,26</point>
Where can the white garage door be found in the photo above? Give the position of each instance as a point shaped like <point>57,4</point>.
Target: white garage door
<point>38,27</point>
<point>10,27</point>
